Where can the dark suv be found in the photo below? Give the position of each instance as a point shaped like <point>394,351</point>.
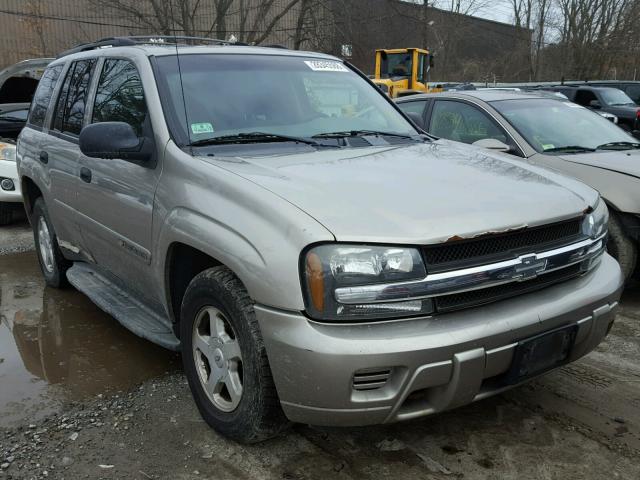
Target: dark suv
<point>605,99</point>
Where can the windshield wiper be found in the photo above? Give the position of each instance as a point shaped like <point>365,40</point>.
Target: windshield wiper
<point>251,137</point>
<point>618,146</point>
<point>360,133</point>
<point>569,148</point>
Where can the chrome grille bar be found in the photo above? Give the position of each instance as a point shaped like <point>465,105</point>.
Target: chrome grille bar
<point>525,267</point>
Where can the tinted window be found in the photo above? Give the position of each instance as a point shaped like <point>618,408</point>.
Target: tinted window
<point>43,94</point>
<point>120,97</point>
<point>73,96</point>
<point>463,123</point>
<point>634,92</point>
<point>585,97</point>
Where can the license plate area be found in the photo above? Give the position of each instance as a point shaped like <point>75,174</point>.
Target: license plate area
<point>536,355</point>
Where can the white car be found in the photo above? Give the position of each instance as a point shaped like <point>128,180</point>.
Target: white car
<point>10,195</point>
<point>17,84</point>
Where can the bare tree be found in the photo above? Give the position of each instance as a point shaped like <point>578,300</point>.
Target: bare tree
<point>36,24</point>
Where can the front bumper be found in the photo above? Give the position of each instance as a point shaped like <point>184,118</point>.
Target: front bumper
<point>428,364</point>
<point>10,170</point>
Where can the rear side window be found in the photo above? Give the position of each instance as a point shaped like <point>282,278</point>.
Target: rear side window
<point>43,94</point>
<point>120,97</point>
<point>73,98</point>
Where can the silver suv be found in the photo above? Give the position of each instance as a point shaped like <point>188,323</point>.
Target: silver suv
<point>315,258</point>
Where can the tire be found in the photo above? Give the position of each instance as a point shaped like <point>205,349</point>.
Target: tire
<point>216,313</point>
<point>52,263</point>
<point>6,214</point>
<point>621,247</point>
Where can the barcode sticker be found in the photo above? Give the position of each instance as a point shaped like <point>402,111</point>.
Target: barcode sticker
<point>326,66</point>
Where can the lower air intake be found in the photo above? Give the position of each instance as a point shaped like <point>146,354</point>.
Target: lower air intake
<point>371,379</point>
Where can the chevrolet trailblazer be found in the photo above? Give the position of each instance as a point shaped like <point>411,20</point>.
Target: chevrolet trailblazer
<point>316,258</point>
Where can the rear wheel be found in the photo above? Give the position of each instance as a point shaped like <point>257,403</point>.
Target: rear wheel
<point>622,247</point>
<point>52,263</point>
<point>225,360</point>
<point>6,213</point>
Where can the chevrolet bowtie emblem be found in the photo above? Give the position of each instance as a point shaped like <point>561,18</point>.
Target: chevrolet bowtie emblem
<point>529,267</point>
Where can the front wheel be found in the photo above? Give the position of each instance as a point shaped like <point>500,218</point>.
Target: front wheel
<point>622,247</point>
<point>52,263</point>
<point>225,359</point>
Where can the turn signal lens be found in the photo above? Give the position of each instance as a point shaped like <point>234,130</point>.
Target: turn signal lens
<point>315,281</point>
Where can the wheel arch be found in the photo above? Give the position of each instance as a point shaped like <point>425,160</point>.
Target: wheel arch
<point>30,193</point>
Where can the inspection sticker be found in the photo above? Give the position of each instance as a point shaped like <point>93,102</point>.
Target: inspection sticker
<point>326,66</point>
<point>198,128</point>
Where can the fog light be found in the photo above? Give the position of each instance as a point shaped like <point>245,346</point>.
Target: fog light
<point>7,184</point>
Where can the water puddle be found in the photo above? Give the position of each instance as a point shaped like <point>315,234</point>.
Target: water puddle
<point>57,346</point>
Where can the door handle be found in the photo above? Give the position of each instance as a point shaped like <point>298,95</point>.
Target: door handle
<point>44,157</point>
<point>85,174</point>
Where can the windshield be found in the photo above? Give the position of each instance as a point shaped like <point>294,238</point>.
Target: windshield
<point>291,96</point>
<point>396,65</point>
<point>613,97</point>
<point>549,124</point>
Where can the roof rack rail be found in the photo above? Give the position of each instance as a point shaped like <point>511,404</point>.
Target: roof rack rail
<point>146,40</point>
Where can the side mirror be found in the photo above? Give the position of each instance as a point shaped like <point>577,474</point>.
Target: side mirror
<point>595,104</point>
<point>114,140</point>
<point>417,119</point>
<point>493,144</point>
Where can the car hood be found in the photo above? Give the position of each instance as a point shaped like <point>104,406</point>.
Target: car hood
<point>626,162</point>
<point>414,194</point>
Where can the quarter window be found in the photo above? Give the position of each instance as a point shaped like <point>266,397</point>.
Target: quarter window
<point>461,122</point>
<point>43,95</point>
<point>73,98</point>
<point>120,97</point>
<point>413,107</point>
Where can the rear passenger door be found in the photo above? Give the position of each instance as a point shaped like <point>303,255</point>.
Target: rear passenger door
<point>60,150</point>
<point>116,196</point>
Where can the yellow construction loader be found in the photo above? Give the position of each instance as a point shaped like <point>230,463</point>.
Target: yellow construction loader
<point>404,71</point>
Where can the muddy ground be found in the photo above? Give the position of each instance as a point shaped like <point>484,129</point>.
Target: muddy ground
<point>80,397</point>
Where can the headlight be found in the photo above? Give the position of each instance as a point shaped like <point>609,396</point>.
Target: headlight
<point>7,152</point>
<point>331,266</point>
<point>596,223</point>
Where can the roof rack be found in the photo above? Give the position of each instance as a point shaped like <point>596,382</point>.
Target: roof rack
<point>171,40</point>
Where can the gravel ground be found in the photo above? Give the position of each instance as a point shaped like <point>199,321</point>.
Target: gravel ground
<point>16,238</point>
<point>580,422</point>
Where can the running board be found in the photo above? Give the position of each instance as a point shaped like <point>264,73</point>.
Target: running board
<point>131,313</point>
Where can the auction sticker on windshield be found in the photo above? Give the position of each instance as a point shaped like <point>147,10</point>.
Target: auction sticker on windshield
<point>326,66</point>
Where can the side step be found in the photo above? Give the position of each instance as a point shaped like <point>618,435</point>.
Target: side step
<point>131,313</point>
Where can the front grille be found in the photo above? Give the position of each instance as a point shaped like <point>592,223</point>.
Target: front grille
<point>493,248</point>
<point>371,379</point>
<point>474,298</point>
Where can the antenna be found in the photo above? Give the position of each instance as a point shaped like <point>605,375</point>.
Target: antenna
<point>184,102</point>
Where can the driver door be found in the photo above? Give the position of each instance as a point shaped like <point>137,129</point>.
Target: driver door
<point>116,197</point>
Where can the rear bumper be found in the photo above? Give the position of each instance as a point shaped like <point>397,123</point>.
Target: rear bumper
<point>10,170</point>
<point>433,364</point>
